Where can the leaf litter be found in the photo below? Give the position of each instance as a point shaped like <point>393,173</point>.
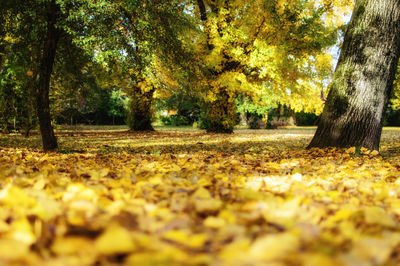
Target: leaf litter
<point>252,198</point>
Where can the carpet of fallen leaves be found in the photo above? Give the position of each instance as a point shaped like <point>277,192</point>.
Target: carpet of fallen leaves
<point>190,198</point>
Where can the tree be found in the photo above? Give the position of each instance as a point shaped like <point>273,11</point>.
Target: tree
<point>140,106</point>
<point>18,63</point>
<point>154,37</point>
<point>256,47</point>
<point>362,84</point>
<point>41,26</point>
<point>83,91</point>
<point>42,88</point>
<point>19,58</point>
<point>34,26</point>
<point>16,99</point>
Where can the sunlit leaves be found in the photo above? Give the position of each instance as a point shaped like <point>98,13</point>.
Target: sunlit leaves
<point>163,198</point>
<point>279,46</point>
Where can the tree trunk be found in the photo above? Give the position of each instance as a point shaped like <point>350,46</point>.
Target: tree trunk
<point>27,131</point>
<point>140,110</point>
<point>5,129</point>
<point>354,111</point>
<point>27,122</point>
<point>43,86</point>
<point>221,114</point>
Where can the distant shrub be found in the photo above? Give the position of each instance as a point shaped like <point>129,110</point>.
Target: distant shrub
<point>174,120</point>
<point>392,118</point>
<point>306,119</point>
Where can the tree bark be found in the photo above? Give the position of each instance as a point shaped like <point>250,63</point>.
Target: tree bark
<point>49,140</point>
<point>354,111</point>
<point>140,110</point>
<point>221,113</point>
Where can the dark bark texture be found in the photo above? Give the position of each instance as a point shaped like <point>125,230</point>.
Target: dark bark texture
<point>140,110</point>
<point>43,84</point>
<point>354,110</point>
<point>221,114</point>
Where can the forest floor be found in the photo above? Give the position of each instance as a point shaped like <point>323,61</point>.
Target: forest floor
<point>184,197</point>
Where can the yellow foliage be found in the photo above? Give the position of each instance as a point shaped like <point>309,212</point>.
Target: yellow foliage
<point>250,47</point>
<point>191,198</point>
<point>274,247</point>
<point>13,250</point>
<point>114,240</point>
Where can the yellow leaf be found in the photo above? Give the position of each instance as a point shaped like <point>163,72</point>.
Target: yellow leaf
<point>281,212</point>
<point>201,193</point>
<point>376,215</point>
<point>14,196</point>
<point>343,214</point>
<point>274,246</point>
<point>207,205</point>
<point>214,222</point>
<point>166,256</point>
<point>204,203</point>
<point>204,182</point>
<point>13,249</point>
<point>318,260</point>
<point>21,230</point>
<point>185,238</point>
<point>114,240</point>
<point>72,245</point>
<point>236,250</point>
<point>374,153</point>
<point>255,183</point>
<point>372,251</point>
<point>351,150</point>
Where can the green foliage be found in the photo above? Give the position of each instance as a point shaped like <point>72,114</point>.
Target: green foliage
<point>253,114</point>
<point>174,120</point>
<point>267,51</point>
<point>247,105</point>
<point>116,105</point>
<point>392,117</point>
<point>395,97</point>
<point>357,151</point>
<point>97,106</point>
<point>187,107</point>
<point>306,119</point>
<point>16,99</point>
<point>83,91</point>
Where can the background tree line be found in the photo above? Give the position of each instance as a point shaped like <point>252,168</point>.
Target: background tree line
<point>213,62</point>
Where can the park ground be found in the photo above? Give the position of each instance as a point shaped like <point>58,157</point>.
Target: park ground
<point>183,197</point>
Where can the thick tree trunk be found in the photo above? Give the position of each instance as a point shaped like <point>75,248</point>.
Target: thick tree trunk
<point>221,114</point>
<point>363,79</point>
<point>43,85</point>
<point>140,110</point>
